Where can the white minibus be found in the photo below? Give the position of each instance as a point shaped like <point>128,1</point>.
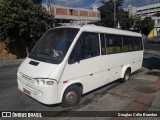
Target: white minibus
<point>70,61</point>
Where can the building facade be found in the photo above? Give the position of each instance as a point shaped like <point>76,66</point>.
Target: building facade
<point>76,15</point>
<point>148,10</point>
<point>153,11</point>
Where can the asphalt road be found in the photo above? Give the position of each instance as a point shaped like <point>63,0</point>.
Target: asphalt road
<point>11,99</point>
<point>151,61</point>
<point>152,46</point>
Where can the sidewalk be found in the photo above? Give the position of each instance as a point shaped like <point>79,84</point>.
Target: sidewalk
<point>9,63</point>
<point>140,93</point>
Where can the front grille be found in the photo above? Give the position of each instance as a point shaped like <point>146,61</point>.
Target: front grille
<point>29,79</point>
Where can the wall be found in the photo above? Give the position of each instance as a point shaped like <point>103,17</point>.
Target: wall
<point>63,12</point>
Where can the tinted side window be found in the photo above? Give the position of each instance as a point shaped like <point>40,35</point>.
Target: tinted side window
<point>128,43</point>
<point>138,43</point>
<point>103,44</point>
<point>113,43</point>
<point>118,44</point>
<point>86,47</point>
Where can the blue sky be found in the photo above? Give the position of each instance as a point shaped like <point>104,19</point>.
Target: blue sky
<point>91,3</point>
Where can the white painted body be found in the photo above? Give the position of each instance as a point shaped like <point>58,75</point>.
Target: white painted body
<point>90,73</point>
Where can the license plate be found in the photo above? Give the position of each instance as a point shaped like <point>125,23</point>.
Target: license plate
<point>26,91</point>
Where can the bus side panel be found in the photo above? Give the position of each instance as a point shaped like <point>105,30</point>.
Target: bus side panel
<point>138,60</point>
<point>115,63</point>
<point>98,71</point>
<point>87,71</point>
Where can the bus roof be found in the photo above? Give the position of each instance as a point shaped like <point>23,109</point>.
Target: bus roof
<point>100,29</point>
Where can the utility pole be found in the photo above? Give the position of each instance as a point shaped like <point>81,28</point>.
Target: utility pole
<point>49,7</point>
<point>114,13</point>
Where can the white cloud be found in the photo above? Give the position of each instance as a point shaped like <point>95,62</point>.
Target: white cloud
<point>96,3</point>
<point>127,2</point>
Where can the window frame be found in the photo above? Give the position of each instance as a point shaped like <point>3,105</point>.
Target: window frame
<point>78,40</point>
<point>101,43</point>
<point>121,35</point>
<point>142,45</point>
<point>128,44</point>
<point>113,36</point>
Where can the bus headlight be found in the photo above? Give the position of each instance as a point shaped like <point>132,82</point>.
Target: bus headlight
<point>41,81</point>
<point>49,82</point>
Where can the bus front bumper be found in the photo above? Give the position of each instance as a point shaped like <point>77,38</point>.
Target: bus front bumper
<point>46,94</point>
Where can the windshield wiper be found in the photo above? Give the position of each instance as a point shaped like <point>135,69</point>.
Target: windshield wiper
<point>43,53</point>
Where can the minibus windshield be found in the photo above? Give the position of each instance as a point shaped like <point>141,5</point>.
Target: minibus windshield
<point>53,45</point>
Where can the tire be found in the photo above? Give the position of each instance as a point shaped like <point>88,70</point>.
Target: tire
<point>126,76</point>
<point>71,96</point>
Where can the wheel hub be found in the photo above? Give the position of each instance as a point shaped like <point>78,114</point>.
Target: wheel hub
<point>71,97</point>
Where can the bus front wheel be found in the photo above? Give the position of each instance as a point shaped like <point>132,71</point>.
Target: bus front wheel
<point>71,96</point>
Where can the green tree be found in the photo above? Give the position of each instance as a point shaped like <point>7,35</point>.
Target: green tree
<point>23,22</point>
<point>107,14</point>
<point>125,21</point>
<point>145,26</point>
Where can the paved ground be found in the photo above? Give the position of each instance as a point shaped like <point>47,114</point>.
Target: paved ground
<point>140,93</point>
<point>152,46</point>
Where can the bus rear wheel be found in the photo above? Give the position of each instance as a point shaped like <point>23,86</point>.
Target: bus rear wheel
<point>71,96</point>
<point>126,75</point>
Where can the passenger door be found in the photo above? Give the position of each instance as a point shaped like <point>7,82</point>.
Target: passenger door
<point>84,62</point>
